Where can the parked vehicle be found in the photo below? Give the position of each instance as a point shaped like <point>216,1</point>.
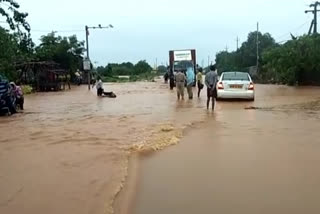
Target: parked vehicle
<point>235,85</point>
<point>180,60</point>
<point>7,99</point>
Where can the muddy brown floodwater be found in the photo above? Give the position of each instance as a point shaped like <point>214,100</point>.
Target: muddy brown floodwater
<point>240,161</point>
<point>69,152</point>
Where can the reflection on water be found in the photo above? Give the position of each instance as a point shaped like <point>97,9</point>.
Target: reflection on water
<point>241,161</point>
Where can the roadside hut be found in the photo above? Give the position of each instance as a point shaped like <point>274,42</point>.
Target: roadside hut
<point>43,76</point>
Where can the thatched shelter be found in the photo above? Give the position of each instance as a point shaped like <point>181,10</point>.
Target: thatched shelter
<point>43,76</point>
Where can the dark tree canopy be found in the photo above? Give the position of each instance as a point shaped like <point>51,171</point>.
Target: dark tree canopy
<point>295,62</point>
<point>16,19</point>
<point>126,68</point>
<point>246,56</point>
<point>67,51</point>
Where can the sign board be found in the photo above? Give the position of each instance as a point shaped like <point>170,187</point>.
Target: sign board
<point>86,65</point>
<point>182,55</point>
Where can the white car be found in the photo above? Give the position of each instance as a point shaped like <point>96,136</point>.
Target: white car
<point>235,85</point>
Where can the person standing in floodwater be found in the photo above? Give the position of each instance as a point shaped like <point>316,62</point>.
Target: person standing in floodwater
<point>199,81</point>
<point>180,81</point>
<point>211,83</point>
<point>190,81</point>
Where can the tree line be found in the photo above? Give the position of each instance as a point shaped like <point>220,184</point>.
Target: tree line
<point>296,62</point>
<point>16,47</point>
<point>124,69</point>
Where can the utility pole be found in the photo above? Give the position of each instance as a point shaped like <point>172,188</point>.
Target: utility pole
<point>208,62</point>
<point>226,48</point>
<point>311,26</point>
<point>314,22</point>
<point>238,43</point>
<point>257,47</point>
<point>87,45</point>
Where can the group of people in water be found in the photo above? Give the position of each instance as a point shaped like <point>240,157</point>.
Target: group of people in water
<point>187,80</point>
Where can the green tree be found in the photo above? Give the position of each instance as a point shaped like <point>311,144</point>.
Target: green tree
<point>67,51</point>
<point>18,23</point>
<point>10,10</point>
<point>9,50</point>
<point>295,62</point>
<point>246,56</point>
<point>142,67</point>
<point>15,47</point>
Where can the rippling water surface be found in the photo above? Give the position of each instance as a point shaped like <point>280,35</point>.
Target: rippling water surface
<point>240,161</point>
<point>69,151</point>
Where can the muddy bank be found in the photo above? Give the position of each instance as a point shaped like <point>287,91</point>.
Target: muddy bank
<point>240,161</point>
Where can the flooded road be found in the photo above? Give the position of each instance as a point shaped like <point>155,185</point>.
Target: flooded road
<point>69,152</point>
<point>240,161</point>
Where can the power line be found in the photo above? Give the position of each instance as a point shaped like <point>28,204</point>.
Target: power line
<point>295,29</point>
<point>284,41</point>
<point>257,47</point>
<point>58,31</point>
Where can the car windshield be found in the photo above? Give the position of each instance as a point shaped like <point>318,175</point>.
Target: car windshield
<point>236,76</point>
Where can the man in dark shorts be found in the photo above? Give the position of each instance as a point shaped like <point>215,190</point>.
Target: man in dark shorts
<point>211,82</point>
<point>199,81</point>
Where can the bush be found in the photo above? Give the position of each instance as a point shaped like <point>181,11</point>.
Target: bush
<point>114,79</point>
<point>297,61</point>
<point>27,89</point>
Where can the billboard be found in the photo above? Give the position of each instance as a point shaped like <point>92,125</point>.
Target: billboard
<point>182,55</point>
<point>86,65</point>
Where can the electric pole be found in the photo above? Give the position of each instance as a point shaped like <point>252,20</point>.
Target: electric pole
<point>257,47</point>
<point>87,46</point>
<point>226,48</point>
<point>208,62</point>
<point>314,23</point>
<point>238,43</point>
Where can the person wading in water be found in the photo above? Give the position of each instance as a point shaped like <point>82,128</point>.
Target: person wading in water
<point>199,81</point>
<point>180,82</point>
<point>211,82</point>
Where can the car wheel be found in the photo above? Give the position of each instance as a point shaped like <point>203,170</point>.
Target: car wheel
<point>13,109</point>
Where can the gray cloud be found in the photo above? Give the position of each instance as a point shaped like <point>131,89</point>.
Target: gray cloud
<point>148,29</point>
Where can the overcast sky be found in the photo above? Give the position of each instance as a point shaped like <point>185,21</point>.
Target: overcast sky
<point>148,29</point>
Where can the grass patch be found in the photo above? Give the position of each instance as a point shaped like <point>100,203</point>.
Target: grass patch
<point>133,78</point>
<point>27,89</point>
